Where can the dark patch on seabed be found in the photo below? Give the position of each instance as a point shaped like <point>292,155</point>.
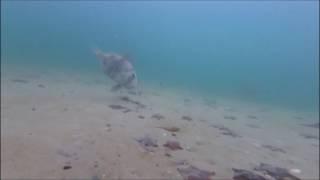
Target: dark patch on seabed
<point>253,126</point>
<point>315,125</point>
<point>273,148</point>
<point>193,173</point>
<point>226,131</point>
<point>187,118</point>
<point>20,81</point>
<point>173,145</point>
<point>309,136</point>
<point>171,129</point>
<point>275,172</point>
<point>41,86</point>
<point>157,116</point>
<point>119,107</point>
<point>129,100</point>
<point>147,143</point>
<point>242,174</point>
<point>230,117</point>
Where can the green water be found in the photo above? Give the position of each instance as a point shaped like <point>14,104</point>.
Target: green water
<point>265,52</point>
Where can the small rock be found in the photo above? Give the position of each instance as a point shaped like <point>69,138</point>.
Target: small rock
<point>187,118</point>
<point>226,131</point>
<point>315,125</point>
<point>309,136</point>
<point>273,148</point>
<point>117,107</point>
<point>194,173</point>
<point>275,172</point>
<point>157,116</point>
<point>241,174</point>
<point>96,164</point>
<point>41,86</point>
<point>181,163</point>
<point>173,145</point>
<point>147,143</point>
<point>171,129</point>
<point>67,167</point>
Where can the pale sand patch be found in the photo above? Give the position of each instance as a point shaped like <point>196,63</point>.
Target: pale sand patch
<point>69,122</point>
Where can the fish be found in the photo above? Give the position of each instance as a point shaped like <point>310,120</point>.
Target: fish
<point>119,69</point>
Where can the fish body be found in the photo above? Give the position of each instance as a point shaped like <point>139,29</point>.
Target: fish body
<point>119,69</point>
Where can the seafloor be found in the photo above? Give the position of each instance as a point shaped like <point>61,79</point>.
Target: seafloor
<point>69,125</point>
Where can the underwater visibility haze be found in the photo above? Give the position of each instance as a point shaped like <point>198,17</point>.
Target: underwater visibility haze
<point>220,79</point>
<point>258,51</point>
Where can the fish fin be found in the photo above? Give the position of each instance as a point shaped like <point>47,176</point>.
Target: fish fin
<point>98,53</point>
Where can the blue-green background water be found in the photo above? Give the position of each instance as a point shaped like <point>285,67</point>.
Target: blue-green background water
<point>260,51</point>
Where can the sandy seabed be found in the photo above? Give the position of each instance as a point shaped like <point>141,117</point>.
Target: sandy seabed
<point>62,125</point>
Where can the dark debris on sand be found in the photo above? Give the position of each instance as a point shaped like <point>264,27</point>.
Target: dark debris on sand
<point>230,117</point>
<point>277,173</point>
<point>41,86</point>
<point>309,136</point>
<point>20,81</point>
<point>129,100</point>
<point>157,116</point>
<point>273,148</point>
<point>194,173</point>
<point>112,106</point>
<point>171,129</point>
<point>226,131</point>
<point>187,118</point>
<point>242,174</point>
<point>315,125</point>
<point>66,167</point>
<point>173,145</point>
<point>147,143</point>
<point>141,117</point>
<point>127,110</point>
<point>119,107</point>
